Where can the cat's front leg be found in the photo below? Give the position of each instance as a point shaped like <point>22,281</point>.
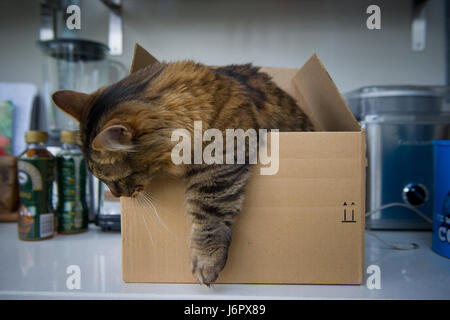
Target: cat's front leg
<point>209,249</point>
<point>214,198</point>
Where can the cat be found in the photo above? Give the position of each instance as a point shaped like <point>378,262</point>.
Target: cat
<point>126,128</point>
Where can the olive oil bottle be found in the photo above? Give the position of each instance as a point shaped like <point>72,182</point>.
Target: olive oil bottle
<point>36,174</point>
<point>72,210</point>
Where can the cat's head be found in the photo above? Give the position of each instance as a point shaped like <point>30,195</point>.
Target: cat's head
<point>124,137</point>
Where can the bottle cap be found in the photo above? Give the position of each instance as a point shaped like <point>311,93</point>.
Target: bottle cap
<point>68,136</point>
<point>33,136</point>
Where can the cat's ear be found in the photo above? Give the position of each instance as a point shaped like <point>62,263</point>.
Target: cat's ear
<point>114,138</point>
<point>71,102</point>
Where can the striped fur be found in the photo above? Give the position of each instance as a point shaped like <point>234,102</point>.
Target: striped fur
<point>214,198</point>
<point>148,106</point>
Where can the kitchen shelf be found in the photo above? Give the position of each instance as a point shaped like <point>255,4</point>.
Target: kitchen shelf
<point>37,270</point>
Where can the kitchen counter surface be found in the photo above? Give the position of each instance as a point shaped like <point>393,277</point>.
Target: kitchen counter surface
<point>38,270</point>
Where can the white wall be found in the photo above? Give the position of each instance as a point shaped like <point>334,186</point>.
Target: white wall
<point>266,32</point>
<point>19,30</point>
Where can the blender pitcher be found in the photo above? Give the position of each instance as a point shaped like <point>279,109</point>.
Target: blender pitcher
<point>84,66</point>
<point>73,64</point>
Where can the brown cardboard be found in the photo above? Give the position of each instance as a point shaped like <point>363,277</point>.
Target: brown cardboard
<point>293,228</point>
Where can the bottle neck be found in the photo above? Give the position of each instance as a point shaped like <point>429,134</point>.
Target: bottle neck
<point>36,145</point>
<point>69,146</point>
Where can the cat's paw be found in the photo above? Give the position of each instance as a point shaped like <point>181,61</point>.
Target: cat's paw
<point>206,268</point>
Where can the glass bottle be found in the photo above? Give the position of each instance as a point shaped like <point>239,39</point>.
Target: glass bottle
<point>36,173</point>
<point>72,210</point>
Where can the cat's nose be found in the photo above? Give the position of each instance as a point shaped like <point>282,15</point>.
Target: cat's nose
<point>137,190</point>
<point>114,189</point>
<point>125,193</point>
<point>115,193</point>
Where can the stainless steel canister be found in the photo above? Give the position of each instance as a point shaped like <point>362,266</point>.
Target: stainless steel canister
<point>400,124</point>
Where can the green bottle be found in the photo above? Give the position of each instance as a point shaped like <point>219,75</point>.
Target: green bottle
<point>72,210</point>
<point>36,173</point>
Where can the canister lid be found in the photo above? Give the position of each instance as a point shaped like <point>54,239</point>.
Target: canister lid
<point>74,49</point>
<point>400,100</point>
<point>34,136</point>
<point>394,91</point>
<point>68,136</point>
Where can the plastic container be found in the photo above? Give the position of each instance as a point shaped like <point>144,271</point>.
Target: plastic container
<point>73,64</point>
<point>441,217</point>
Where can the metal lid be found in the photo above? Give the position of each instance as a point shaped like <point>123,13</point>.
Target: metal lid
<point>74,49</point>
<point>395,91</point>
<point>34,136</point>
<point>398,99</point>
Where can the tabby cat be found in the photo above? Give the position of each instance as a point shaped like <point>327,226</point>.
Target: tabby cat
<point>126,130</point>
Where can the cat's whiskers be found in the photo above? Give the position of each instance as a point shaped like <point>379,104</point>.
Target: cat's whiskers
<point>144,208</point>
<point>146,199</point>
<point>157,202</point>
<point>148,230</point>
<point>151,197</point>
<point>135,206</point>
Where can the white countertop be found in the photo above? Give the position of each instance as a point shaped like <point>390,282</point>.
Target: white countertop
<point>37,270</point>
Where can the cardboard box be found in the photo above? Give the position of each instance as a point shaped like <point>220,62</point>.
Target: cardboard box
<point>304,225</point>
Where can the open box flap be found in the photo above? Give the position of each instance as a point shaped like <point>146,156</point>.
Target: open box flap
<point>283,78</point>
<point>141,58</point>
<point>322,99</point>
<point>311,86</point>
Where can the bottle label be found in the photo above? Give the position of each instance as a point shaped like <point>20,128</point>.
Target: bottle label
<point>36,218</point>
<point>72,205</point>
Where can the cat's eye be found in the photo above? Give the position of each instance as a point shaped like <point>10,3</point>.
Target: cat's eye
<point>126,177</point>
